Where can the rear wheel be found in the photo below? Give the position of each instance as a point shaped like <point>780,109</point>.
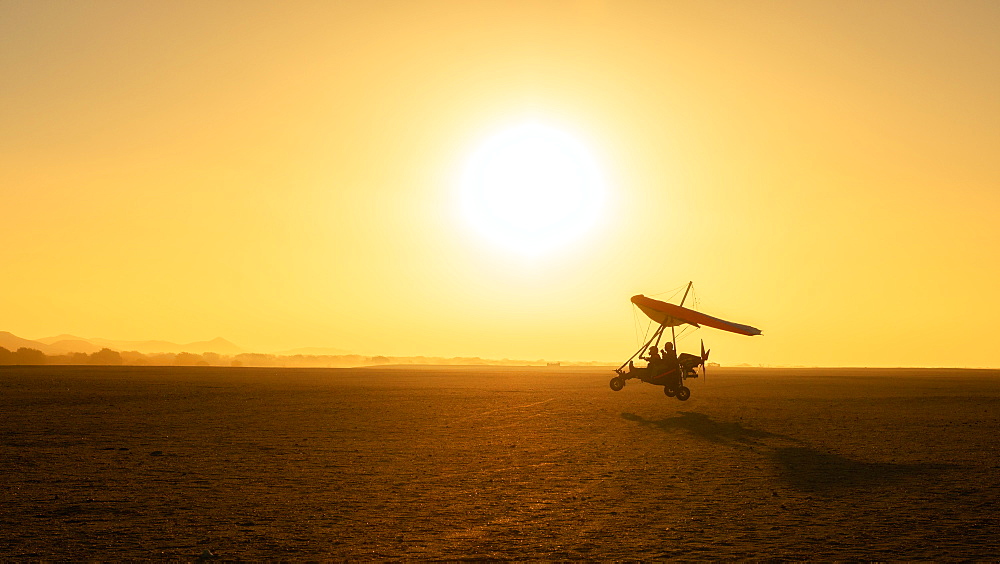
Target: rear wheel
<point>683,393</point>
<point>669,391</point>
<point>617,383</point>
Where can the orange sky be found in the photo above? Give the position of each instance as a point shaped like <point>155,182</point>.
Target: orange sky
<point>283,174</point>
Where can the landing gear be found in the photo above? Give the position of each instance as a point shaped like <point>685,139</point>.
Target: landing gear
<point>672,382</point>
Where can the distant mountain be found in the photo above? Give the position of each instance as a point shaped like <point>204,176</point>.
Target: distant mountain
<point>66,344</point>
<point>12,342</point>
<point>314,351</point>
<point>145,347</point>
<point>57,338</point>
<point>216,345</point>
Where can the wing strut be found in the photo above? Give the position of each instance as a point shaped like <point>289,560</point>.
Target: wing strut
<point>673,334</point>
<point>688,289</point>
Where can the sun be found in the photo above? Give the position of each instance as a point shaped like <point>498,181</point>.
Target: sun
<point>531,189</point>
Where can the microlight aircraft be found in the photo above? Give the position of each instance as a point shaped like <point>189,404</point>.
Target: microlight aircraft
<point>661,373</point>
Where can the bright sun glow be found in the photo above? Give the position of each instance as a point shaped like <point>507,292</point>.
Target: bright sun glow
<point>531,189</point>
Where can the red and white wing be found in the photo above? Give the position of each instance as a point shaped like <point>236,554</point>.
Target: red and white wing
<point>672,315</point>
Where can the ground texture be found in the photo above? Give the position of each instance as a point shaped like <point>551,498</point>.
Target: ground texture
<point>286,464</point>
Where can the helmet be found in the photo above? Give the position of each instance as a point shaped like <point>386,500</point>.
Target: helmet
<point>668,347</point>
<point>652,348</point>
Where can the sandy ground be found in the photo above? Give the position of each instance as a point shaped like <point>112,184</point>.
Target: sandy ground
<point>126,462</point>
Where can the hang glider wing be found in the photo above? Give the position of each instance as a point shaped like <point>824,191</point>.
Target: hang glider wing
<point>672,315</point>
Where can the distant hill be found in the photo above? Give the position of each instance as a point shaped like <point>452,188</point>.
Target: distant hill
<point>12,342</point>
<point>59,349</point>
<point>65,344</point>
<point>216,345</point>
<point>68,346</point>
<point>145,347</point>
<point>315,351</point>
<point>57,338</point>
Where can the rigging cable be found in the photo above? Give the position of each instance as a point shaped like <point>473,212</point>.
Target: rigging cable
<point>635,324</point>
<point>673,295</point>
<point>686,332</point>
<point>635,317</point>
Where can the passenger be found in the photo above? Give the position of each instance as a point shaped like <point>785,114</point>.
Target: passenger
<point>671,365</point>
<point>670,357</point>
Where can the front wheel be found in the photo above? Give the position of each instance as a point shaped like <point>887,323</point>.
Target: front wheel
<point>669,391</point>
<point>617,383</point>
<point>683,393</point>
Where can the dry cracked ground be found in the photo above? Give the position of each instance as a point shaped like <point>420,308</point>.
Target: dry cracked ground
<point>484,463</point>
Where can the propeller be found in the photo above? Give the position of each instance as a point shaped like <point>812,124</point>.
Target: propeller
<point>704,357</point>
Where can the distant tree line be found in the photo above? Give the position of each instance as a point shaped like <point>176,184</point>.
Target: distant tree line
<point>22,355</point>
<point>28,356</point>
<point>108,357</point>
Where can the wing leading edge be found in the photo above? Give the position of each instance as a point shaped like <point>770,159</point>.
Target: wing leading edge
<point>672,315</point>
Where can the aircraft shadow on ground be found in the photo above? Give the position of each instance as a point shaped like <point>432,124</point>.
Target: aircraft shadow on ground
<point>704,427</point>
<point>802,467</point>
<point>811,470</point>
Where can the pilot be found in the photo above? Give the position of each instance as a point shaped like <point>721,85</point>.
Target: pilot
<point>654,356</point>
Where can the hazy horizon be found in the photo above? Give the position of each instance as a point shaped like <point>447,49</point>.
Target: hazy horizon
<point>294,175</point>
<point>313,357</point>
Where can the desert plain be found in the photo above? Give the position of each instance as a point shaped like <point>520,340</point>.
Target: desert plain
<point>113,463</point>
